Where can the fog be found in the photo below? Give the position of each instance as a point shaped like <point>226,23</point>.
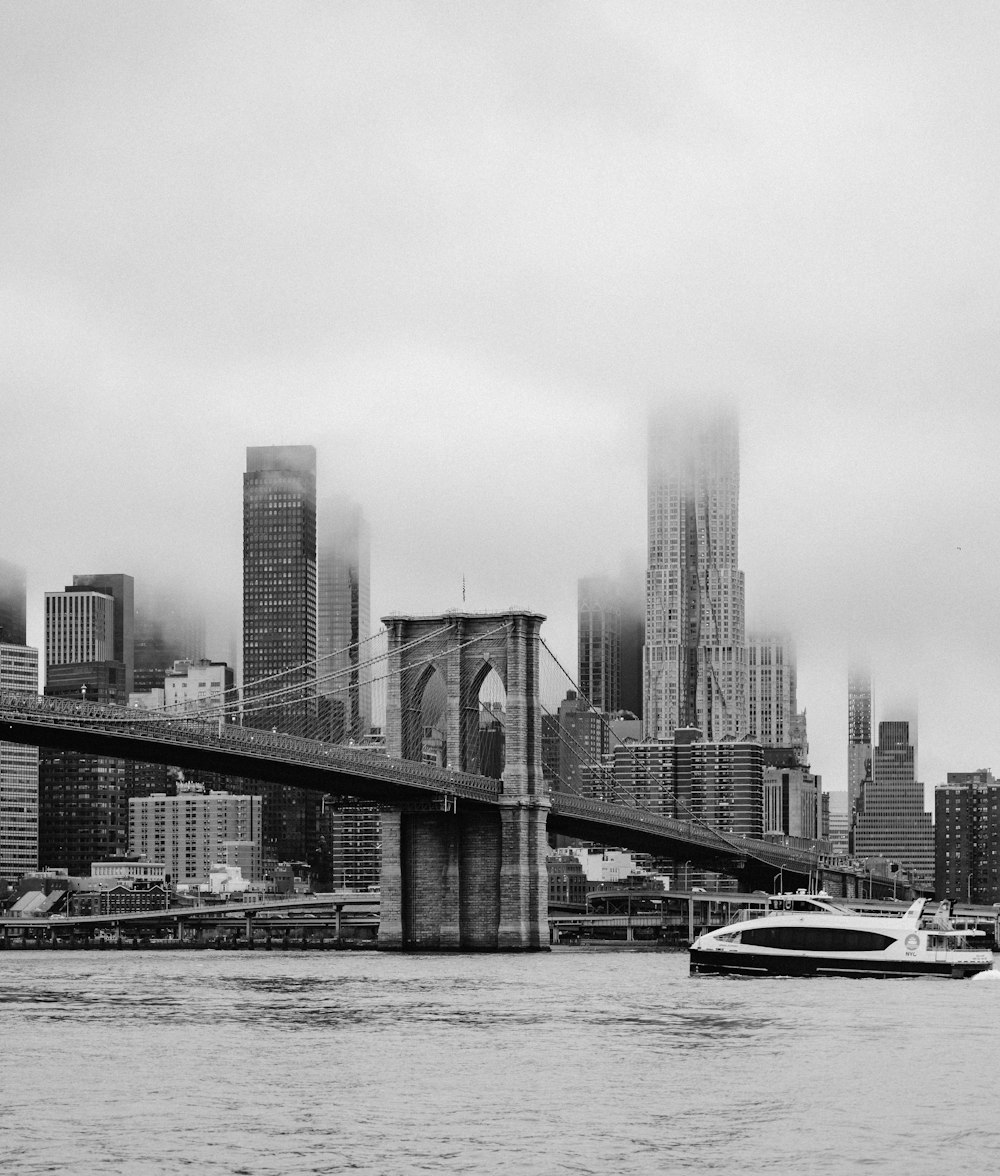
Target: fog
<point>462,248</point>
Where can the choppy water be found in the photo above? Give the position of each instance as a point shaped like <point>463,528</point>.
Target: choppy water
<point>610,1063</point>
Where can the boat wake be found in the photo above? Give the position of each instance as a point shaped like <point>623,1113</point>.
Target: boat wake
<point>993,974</point>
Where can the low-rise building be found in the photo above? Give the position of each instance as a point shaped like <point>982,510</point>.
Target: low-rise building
<point>188,832</point>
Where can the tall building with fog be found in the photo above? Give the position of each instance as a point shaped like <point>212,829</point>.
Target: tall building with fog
<point>772,685</point>
<point>859,733</point>
<point>694,666</point>
<point>599,616</point>
<point>121,589</point>
<point>351,830</point>
<point>279,625</point>
<point>890,820</point>
<point>610,632</point>
<point>18,764</point>
<point>279,583</point>
<point>343,616</point>
<point>13,604</point>
<point>169,628</point>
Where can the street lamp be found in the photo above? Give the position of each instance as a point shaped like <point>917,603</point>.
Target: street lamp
<point>968,887</point>
<point>778,882</point>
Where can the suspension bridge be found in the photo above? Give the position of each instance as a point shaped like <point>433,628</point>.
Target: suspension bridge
<point>464,839</point>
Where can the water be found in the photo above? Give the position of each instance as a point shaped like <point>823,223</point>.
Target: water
<point>613,1063</point>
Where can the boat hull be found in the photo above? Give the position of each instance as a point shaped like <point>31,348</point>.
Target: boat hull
<point>767,964</point>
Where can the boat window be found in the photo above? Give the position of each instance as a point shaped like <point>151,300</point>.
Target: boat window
<point>729,937</point>
<point>816,939</point>
<point>947,943</point>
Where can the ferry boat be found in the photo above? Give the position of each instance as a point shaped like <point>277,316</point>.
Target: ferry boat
<point>816,935</point>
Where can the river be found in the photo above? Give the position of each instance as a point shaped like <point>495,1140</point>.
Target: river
<point>610,1063</point>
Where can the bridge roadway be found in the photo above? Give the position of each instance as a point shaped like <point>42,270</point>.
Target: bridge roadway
<point>336,769</point>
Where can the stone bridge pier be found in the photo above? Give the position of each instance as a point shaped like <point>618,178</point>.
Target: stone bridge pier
<point>465,878</point>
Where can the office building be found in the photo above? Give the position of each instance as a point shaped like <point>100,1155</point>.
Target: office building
<point>583,740</point>
<point>121,589</point>
<point>279,586</point>
<point>889,819</point>
<point>344,618</point>
<point>82,798</point>
<point>771,690</point>
<point>691,778</point>
<point>694,667</point>
<point>193,831</point>
<point>793,801</point>
<point>599,615</point>
<point>611,629</point>
<point>18,771</point>
<point>13,604</point>
<point>197,686</point>
<point>838,824</point>
<point>859,733</point>
<point>967,838</point>
<point>79,628</point>
<point>279,627</point>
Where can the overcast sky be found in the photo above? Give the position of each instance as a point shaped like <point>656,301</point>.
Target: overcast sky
<point>461,247</point>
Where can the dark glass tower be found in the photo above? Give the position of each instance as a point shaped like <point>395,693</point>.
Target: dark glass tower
<point>344,618</point>
<point>279,583</point>
<point>279,626</point>
<point>599,612</point>
<point>12,604</point>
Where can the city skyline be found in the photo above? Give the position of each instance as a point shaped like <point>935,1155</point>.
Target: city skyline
<point>470,303</point>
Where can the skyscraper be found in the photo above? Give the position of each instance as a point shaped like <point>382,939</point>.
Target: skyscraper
<point>772,689</point>
<point>279,583</point>
<point>859,733</point>
<point>695,669</point>
<point>344,616</point>
<point>279,626</point>
<point>611,628</point>
<point>18,765</point>
<point>13,600</point>
<point>351,829</point>
<point>121,589</point>
<point>890,820</point>
<point>599,615</point>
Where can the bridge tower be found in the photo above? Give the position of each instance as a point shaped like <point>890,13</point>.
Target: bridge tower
<point>468,878</point>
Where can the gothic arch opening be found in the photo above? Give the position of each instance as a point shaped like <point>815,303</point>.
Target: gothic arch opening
<point>424,724</point>
<point>490,737</point>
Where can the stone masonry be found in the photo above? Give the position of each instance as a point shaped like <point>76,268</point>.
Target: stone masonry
<point>468,878</point>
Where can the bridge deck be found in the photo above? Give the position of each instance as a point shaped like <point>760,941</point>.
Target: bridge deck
<point>349,771</point>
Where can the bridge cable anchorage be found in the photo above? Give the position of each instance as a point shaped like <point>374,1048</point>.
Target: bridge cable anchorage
<point>719,835</point>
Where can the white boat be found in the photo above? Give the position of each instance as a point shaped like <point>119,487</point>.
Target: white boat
<point>816,935</point>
